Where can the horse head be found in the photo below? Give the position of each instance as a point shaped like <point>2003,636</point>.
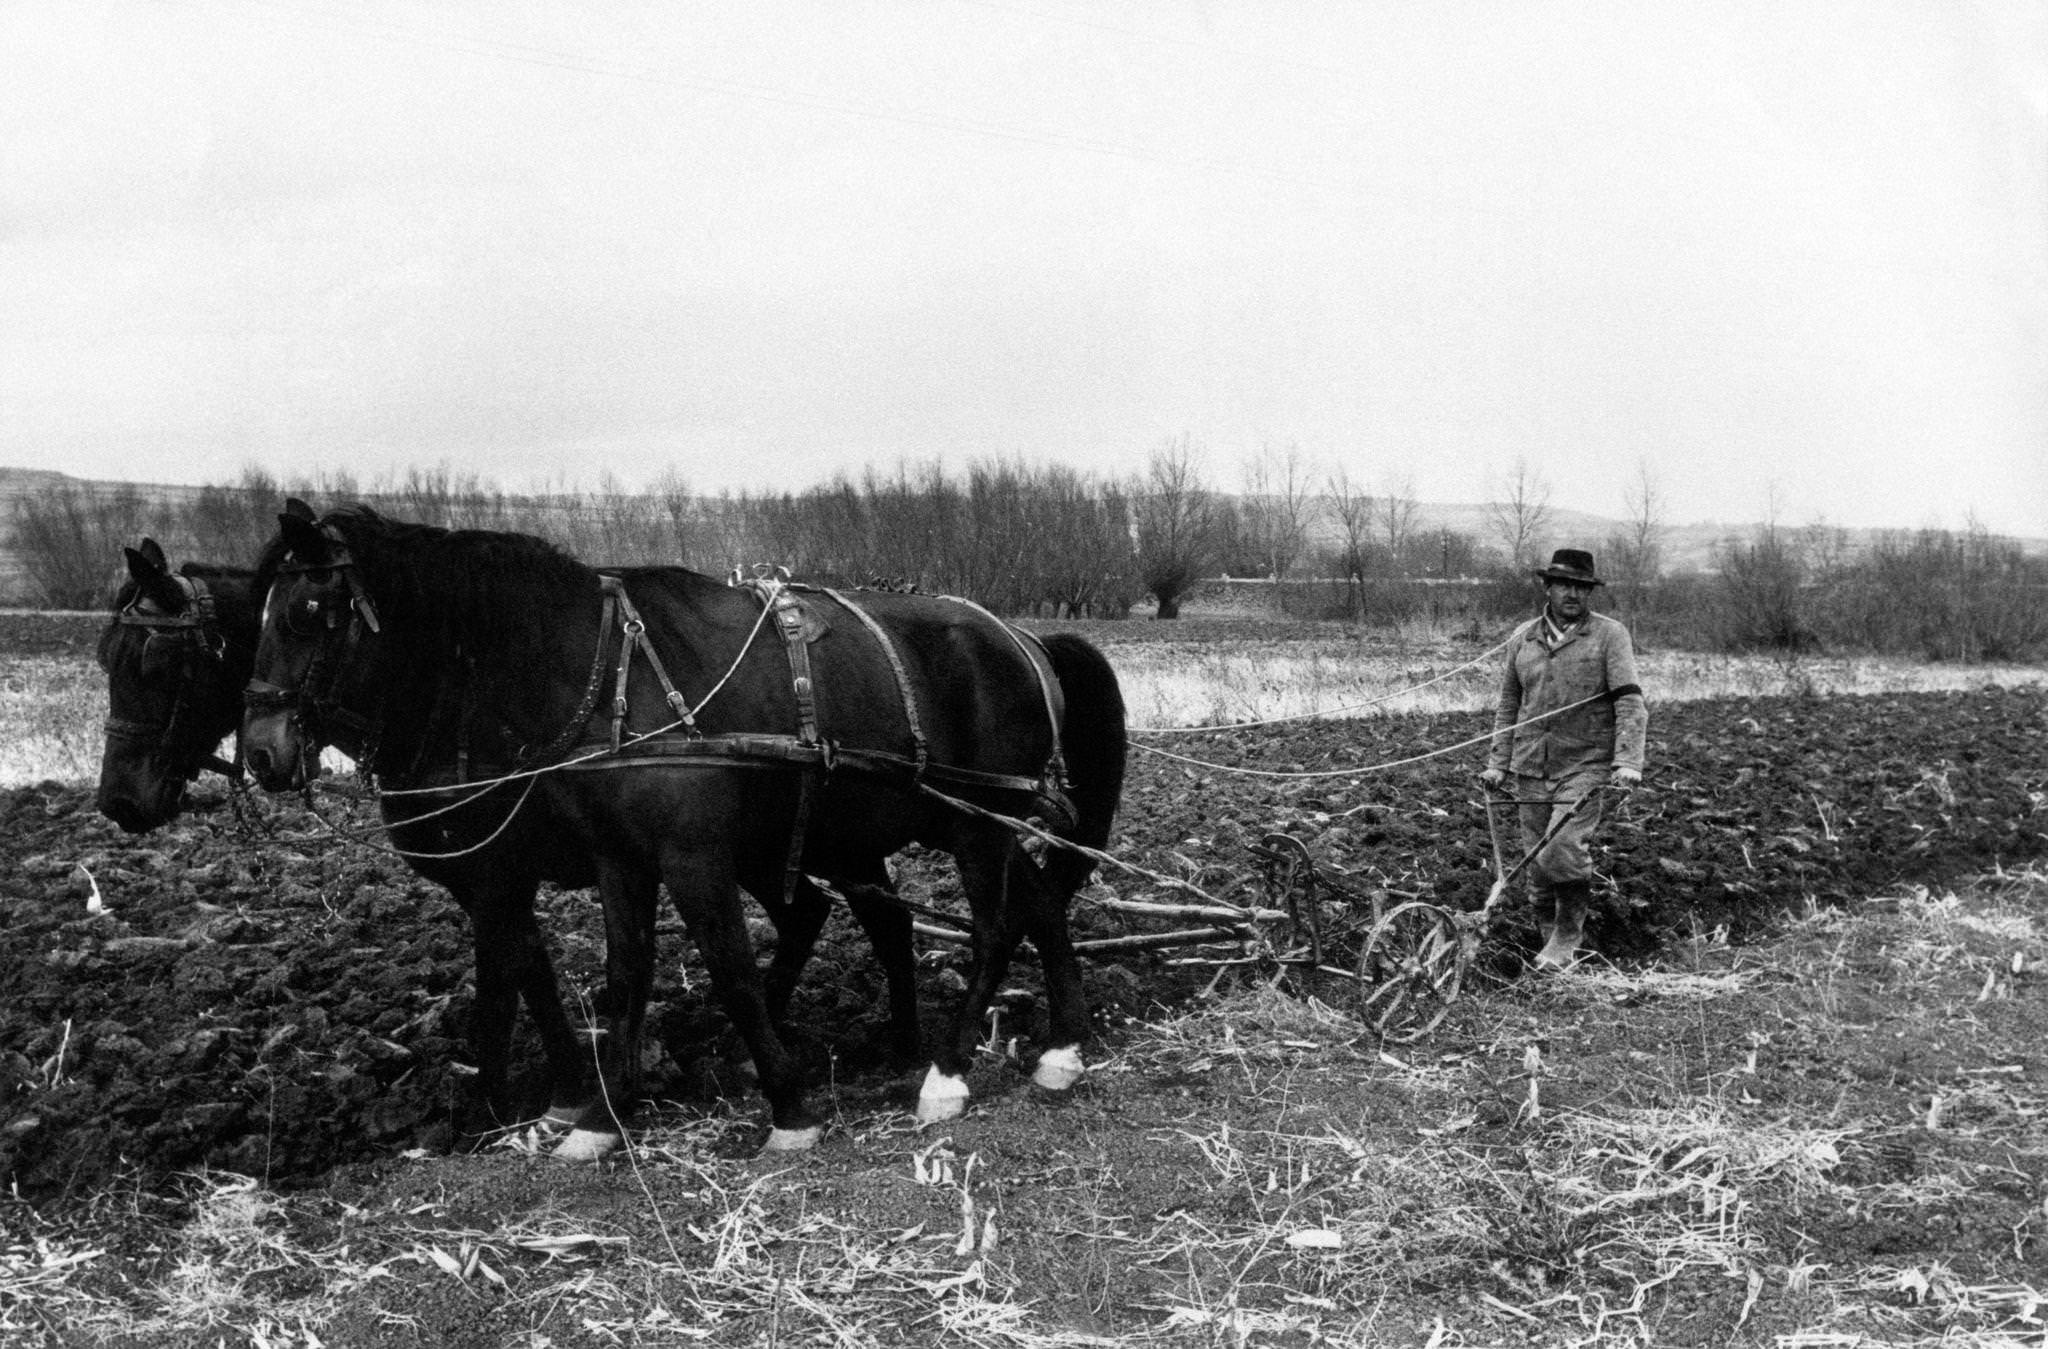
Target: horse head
<point>171,652</point>
<point>314,680</point>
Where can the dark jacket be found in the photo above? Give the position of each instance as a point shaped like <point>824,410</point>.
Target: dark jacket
<point>1595,667</point>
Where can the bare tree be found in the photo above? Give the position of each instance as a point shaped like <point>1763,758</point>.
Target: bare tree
<point>1395,510</point>
<point>1520,514</point>
<point>231,524</point>
<point>1176,524</point>
<point>1078,537</point>
<point>1277,510</point>
<point>1763,592</point>
<point>1635,553</point>
<point>69,537</point>
<point>1353,510</point>
<point>677,508</point>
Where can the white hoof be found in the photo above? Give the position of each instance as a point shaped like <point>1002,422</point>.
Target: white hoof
<point>1059,1069</point>
<point>793,1140</point>
<point>587,1145</point>
<point>941,1098</point>
<point>559,1119</point>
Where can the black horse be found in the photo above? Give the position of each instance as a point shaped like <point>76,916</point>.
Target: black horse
<point>177,653</point>
<point>710,736</point>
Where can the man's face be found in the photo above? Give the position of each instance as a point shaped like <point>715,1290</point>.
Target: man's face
<point>1568,599</point>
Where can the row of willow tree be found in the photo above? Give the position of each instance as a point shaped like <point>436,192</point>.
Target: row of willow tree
<point>1051,541</point>
<point>1021,539</point>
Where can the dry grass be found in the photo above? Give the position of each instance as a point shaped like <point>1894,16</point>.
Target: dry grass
<point>1170,684</point>
<point>52,709</point>
<point>1268,1175</point>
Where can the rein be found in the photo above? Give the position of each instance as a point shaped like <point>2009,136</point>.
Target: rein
<point>1367,769</point>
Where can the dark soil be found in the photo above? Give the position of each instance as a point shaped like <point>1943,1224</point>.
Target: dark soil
<point>261,997</point>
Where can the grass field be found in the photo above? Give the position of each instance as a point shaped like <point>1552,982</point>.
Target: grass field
<point>52,705</point>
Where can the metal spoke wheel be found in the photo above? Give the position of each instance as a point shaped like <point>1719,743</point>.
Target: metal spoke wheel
<point>1410,971</point>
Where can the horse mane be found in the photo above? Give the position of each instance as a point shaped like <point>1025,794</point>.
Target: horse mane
<point>469,607</point>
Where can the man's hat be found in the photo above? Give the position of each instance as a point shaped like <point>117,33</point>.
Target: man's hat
<point>1571,564</point>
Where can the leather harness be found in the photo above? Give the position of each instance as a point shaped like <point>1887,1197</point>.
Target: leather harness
<point>789,608</point>
<point>785,608</point>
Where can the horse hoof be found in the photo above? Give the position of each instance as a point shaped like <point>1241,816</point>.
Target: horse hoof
<point>587,1145</point>
<point>1059,1069</point>
<point>942,1097</point>
<point>793,1140</point>
<point>1557,956</point>
<point>559,1119</point>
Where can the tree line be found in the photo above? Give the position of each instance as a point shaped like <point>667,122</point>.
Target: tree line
<point>1052,541</point>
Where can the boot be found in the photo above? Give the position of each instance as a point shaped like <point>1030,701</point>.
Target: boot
<point>1569,927</point>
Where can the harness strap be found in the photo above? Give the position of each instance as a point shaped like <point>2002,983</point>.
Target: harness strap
<point>881,635</point>
<point>1041,666</point>
<point>761,750</point>
<point>199,602</point>
<point>788,614</point>
<point>634,631</point>
<point>778,602</point>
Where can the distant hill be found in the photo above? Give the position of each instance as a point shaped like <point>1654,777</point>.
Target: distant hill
<point>20,482</point>
<point>1687,547</point>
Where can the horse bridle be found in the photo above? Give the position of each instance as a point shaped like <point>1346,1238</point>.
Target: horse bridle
<point>318,701</point>
<point>197,629</point>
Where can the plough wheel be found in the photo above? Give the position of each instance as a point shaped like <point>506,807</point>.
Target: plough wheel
<point>1409,971</point>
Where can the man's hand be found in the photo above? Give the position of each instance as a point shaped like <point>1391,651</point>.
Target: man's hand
<point>1492,778</point>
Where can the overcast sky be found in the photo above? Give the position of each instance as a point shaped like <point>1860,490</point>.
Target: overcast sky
<point>1792,256</point>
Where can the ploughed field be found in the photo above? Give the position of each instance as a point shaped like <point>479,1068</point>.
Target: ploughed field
<point>1801,1099</point>
<point>263,990</point>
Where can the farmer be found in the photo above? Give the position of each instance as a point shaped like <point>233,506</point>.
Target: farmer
<point>1570,722</point>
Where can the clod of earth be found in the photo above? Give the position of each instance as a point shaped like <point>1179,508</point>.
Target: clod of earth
<point>264,998</point>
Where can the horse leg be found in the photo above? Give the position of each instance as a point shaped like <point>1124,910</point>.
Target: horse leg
<point>627,892</point>
<point>534,977</point>
<point>497,1002</point>
<point>872,902</point>
<point>1059,1066</point>
<point>704,887</point>
<point>797,925</point>
<point>887,924</point>
<point>981,854</point>
<point>629,896</point>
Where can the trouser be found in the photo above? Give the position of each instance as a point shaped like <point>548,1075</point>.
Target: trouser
<point>1565,858</point>
<point>1561,872</point>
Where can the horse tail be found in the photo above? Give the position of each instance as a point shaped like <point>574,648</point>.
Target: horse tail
<point>1095,746</point>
